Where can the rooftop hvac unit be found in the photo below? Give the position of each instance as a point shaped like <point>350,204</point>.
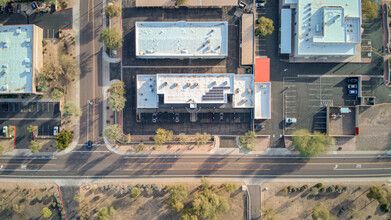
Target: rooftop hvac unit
<point>18,31</point>
<point>28,40</point>
<point>5,65</point>
<point>5,87</point>
<point>27,60</point>
<point>28,70</point>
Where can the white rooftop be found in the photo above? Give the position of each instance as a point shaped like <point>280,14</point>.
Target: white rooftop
<point>195,89</point>
<point>262,109</point>
<point>182,39</point>
<point>327,27</point>
<point>286,31</point>
<point>16,59</point>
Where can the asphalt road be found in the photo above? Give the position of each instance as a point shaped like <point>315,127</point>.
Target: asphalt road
<point>91,71</point>
<point>86,164</point>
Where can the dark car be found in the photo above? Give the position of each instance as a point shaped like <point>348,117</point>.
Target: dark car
<point>10,9</point>
<point>261,1</point>
<point>352,80</point>
<point>242,5</point>
<point>89,145</point>
<point>259,127</point>
<point>221,117</point>
<point>34,5</point>
<point>176,117</point>
<point>154,117</point>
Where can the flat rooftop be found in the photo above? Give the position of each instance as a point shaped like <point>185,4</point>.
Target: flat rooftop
<point>327,27</point>
<point>193,89</point>
<point>182,39</point>
<point>262,109</point>
<point>16,59</point>
<point>247,39</point>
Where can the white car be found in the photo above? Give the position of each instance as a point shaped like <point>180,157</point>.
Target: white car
<point>55,130</point>
<point>260,5</point>
<point>5,129</point>
<point>290,120</point>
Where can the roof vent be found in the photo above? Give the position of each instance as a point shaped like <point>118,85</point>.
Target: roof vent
<point>5,87</point>
<point>28,70</point>
<point>18,31</point>
<point>184,51</point>
<point>28,40</point>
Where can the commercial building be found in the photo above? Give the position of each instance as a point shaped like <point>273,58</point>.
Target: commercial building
<point>247,46</point>
<point>20,57</point>
<point>194,92</point>
<point>262,94</point>
<point>321,30</point>
<point>178,40</point>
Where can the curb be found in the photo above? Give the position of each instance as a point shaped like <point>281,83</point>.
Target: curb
<point>64,9</point>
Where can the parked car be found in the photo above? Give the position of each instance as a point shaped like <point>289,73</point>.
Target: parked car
<point>18,8</point>
<point>261,1</point>
<point>55,130</point>
<point>290,120</point>
<point>352,86</point>
<point>89,145</point>
<point>352,80</point>
<point>260,5</point>
<point>1,9</point>
<point>259,127</point>
<point>34,5</point>
<point>221,117</point>
<point>176,117</point>
<point>353,92</point>
<point>154,117</point>
<point>5,129</point>
<point>242,5</point>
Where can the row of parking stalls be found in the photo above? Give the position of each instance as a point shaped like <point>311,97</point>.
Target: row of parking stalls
<point>290,97</point>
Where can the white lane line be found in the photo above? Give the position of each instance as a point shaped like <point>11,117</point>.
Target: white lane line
<point>92,151</point>
<point>385,168</point>
<point>32,158</point>
<point>28,170</point>
<point>257,156</point>
<point>182,67</point>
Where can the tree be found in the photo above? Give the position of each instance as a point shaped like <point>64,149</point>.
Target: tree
<point>183,138</point>
<point>42,84</point>
<point>140,147</point>
<point>264,27</point>
<point>104,213</point>
<point>70,108</point>
<point>63,139</point>
<point>69,67</point>
<point>50,71</point>
<point>230,187</point>
<point>248,141</point>
<point>311,145</point>
<point>320,212</point>
<point>162,136</point>
<point>31,128</point>
<point>46,213</point>
<point>112,38</point>
<point>117,87</point>
<point>379,194</point>
<point>112,11</point>
<point>201,139</point>
<point>369,9</point>
<point>127,138</point>
<point>113,132</point>
<point>3,2</point>
<point>180,2</point>
<point>136,192</point>
<point>117,102</point>
<point>57,93</point>
<point>10,131</point>
<point>205,184</point>
<point>35,147</point>
<point>268,214</point>
<point>207,204</point>
<point>178,193</point>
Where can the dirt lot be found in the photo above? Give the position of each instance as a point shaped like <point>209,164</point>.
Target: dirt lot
<point>25,201</point>
<point>298,205</point>
<point>375,128</point>
<point>151,204</point>
<point>7,144</point>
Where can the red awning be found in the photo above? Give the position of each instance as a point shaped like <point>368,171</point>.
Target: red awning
<point>262,70</point>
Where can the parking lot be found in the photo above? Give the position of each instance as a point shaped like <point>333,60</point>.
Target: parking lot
<point>51,23</point>
<point>44,115</point>
<point>306,99</point>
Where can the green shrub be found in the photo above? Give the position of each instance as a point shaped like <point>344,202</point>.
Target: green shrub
<point>319,185</point>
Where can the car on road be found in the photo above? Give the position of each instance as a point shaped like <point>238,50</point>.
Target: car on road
<point>55,130</point>
<point>211,116</point>
<point>290,120</point>
<point>353,92</point>
<point>259,127</point>
<point>352,80</point>
<point>260,5</point>
<point>176,117</point>
<point>5,129</point>
<point>154,117</point>
<point>221,117</point>
<point>89,145</point>
<point>242,5</point>
<point>352,86</point>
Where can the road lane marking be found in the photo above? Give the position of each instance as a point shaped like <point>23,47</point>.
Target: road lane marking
<point>90,151</point>
<point>88,10</point>
<point>27,164</point>
<point>195,169</point>
<point>232,162</point>
<point>11,170</point>
<point>384,168</point>
<point>253,157</point>
<point>93,71</point>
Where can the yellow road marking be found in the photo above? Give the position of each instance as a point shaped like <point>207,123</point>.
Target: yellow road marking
<point>192,169</point>
<point>28,164</point>
<point>93,72</point>
<point>228,163</point>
